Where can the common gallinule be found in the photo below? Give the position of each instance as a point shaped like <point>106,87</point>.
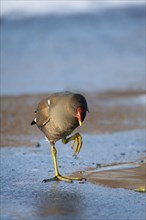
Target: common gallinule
<point>57,116</point>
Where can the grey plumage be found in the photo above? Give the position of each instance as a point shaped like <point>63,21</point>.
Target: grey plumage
<point>56,114</point>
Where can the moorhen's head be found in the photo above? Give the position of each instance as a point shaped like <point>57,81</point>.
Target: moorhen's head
<point>79,107</point>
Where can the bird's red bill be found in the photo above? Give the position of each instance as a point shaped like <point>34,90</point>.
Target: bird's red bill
<point>79,115</point>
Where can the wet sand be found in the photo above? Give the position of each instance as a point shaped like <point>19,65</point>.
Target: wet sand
<point>110,112</point>
<point>117,175</point>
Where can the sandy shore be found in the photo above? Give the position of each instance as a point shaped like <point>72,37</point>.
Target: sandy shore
<point>109,112</point>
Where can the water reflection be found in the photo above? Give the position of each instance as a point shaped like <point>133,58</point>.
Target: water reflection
<point>58,202</point>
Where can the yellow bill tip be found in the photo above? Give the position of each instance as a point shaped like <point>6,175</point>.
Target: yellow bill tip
<point>80,123</point>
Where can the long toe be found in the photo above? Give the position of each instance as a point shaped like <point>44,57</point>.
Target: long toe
<point>50,179</point>
<point>58,178</point>
<point>78,145</point>
<point>62,178</point>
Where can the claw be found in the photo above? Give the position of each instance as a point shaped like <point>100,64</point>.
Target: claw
<point>73,143</point>
<point>57,175</point>
<point>76,143</point>
<point>62,178</point>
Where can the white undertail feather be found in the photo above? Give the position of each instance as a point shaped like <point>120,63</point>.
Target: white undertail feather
<point>46,139</point>
<point>49,102</point>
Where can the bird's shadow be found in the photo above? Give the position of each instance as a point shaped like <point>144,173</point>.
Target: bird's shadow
<point>59,202</point>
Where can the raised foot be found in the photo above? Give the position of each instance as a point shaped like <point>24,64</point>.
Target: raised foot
<point>76,143</point>
<point>62,178</point>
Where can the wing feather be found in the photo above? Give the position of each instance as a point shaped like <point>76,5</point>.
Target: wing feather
<point>42,113</point>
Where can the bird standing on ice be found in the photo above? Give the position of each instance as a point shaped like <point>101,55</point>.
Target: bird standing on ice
<point>57,116</point>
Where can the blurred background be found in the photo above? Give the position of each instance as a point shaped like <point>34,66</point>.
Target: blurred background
<point>49,46</point>
<point>93,47</point>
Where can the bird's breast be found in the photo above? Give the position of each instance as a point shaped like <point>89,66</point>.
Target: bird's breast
<point>55,130</point>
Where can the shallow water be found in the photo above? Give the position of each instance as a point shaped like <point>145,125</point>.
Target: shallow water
<point>96,51</point>
<point>116,167</point>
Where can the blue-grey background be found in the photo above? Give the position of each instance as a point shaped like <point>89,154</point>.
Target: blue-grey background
<point>92,51</point>
<point>84,48</point>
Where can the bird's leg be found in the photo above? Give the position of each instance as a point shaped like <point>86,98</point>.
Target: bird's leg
<point>54,156</point>
<point>76,142</point>
<point>57,175</point>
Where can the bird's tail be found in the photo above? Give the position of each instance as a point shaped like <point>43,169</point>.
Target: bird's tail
<point>33,122</point>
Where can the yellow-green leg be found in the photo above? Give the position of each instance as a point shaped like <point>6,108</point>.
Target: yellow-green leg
<point>76,142</point>
<point>57,175</point>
